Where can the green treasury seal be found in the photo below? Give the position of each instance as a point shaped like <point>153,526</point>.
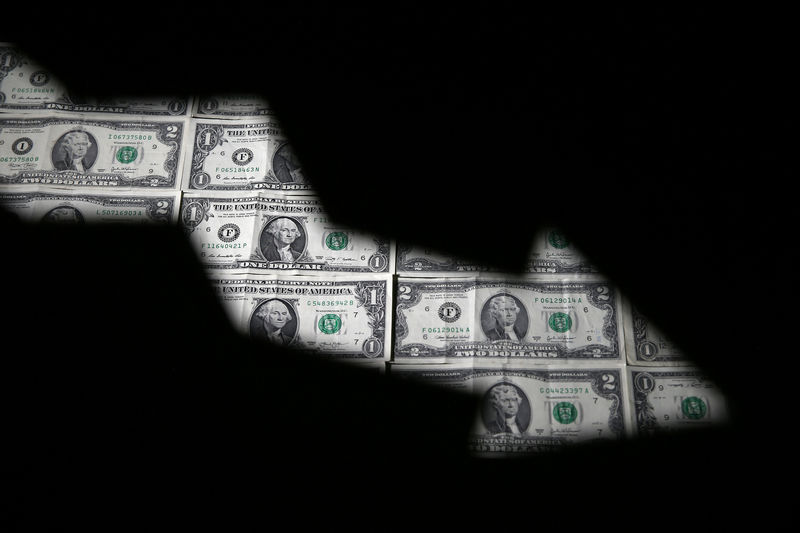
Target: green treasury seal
<point>557,239</point>
<point>336,240</point>
<point>560,322</point>
<point>330,324</point>
<point>693,408</point>
<point>565,412</point>
<point>126,154</point>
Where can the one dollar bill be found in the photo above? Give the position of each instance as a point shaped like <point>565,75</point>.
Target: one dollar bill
<point>240,155</point>
<point>675,398</point>
<point>39,204</point>
<point>263,231</point>
<point>341,317</point>
<point>521,319</point>
<point>524,410</point>
<point>27,87</point>
<point>551,251</point>
<point>91,151</point>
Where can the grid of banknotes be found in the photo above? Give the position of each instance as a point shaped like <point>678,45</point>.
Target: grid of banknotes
<point>556,354</point>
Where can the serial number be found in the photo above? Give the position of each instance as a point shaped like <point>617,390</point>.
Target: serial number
<point>563,390</point>
<point>129,137</point>
<point>19,159</point>
<point>121,212</point>
<point>228,170</point>
<point>208,245</point>
<point>330,303</point>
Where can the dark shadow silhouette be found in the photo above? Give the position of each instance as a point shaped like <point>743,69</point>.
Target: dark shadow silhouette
<point>655,139</point>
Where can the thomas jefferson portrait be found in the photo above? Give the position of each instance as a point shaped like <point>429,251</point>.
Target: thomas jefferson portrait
<point>504,317</point>
<point>286,166</point>
<point>274,321</point>
<point>506,409</point>
<point>75,150</point>
<point>282,239</point>
<point>63,214</point>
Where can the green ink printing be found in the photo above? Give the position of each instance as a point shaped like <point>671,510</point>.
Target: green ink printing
<point>329,324</point>
<point>127,154</point>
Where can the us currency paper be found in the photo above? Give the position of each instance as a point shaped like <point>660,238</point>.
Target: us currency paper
<point>239,155</point>
<point>231,106</point>
<point>675,398</point>
<point>39,204</point>
<point>342,317</point>
<point>26,86</point>
<point>525,410</point>
<point>264,231</point>
<point>551,252</point>
<point>513,319</point>
<point>91,151</point>
<point>645,344</point>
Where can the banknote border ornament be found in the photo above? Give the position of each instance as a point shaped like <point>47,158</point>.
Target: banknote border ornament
<point>172,162</point>
<point>160,209</point>
<point>608,385</point>
<point>199,155</point>
<point>405,300</point>
<point>640,336</point>
<point>646,422</point>
<point>602,295</point>
<point>376,312</point>
<point>383,253</point>
<point>203,205</point>
<point>17,59</point>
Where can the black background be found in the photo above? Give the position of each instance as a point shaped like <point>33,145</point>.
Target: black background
<point>659,140</point>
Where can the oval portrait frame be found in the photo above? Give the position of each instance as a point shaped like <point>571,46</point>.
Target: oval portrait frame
<point>265,241</point>
<point>489,412</point>
<point>488,322</point>
<point>58,153</point>
<point>79,219</point>
<point>280,166</point>
<point>255,325</point>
